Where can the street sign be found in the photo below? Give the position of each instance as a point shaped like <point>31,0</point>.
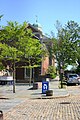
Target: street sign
<point>45,86</point>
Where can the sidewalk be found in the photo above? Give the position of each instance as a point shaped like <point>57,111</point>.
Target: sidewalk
<point>8,99</point>
<point>25,91</point>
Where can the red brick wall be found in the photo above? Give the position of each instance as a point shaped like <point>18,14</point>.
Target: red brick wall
<point>45,64</point>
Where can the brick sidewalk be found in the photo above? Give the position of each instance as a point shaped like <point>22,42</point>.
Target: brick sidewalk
<point>46,109</point>
<point>25,105</point>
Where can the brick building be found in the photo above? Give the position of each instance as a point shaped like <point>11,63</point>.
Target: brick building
<point>23,74</point>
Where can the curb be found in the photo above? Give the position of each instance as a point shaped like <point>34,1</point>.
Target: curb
<point>52,97</point>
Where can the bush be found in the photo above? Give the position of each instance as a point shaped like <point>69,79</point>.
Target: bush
<point>52,71</point>
<point>53,75</point>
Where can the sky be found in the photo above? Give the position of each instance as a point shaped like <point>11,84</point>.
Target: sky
<point>47,12</point>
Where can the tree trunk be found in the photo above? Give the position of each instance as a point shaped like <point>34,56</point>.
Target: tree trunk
<point>14,78</point>
<point>30,75</point>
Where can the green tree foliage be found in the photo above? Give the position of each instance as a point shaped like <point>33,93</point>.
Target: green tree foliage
<point>20,41</point>
<point>73,29</point>
<point>52,71</point>
<point>17,43</point>
<point>66,46</point>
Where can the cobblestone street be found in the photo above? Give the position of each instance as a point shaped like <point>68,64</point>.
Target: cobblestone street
<point>28,104</point>
<point>67,108</point>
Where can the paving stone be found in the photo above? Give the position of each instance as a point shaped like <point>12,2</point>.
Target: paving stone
<point>46,109</point>
<point>24,105</point>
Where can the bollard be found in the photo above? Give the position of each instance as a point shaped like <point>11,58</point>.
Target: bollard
<point>1,115</point>
<point>35,85</point>
<point>49,93</point>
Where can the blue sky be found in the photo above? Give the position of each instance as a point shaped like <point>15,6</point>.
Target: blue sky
<point>48,11</point>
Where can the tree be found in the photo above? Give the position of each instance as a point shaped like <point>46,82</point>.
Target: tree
<point>21,44</point>
<point>9,53</point>
<point>73,29</point>
<point>31,49</point>
<point>65,47</point>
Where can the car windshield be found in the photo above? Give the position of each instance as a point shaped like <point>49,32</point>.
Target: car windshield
<point>73,76</point>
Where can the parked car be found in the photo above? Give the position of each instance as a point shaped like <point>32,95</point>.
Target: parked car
<point>73,79</point>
